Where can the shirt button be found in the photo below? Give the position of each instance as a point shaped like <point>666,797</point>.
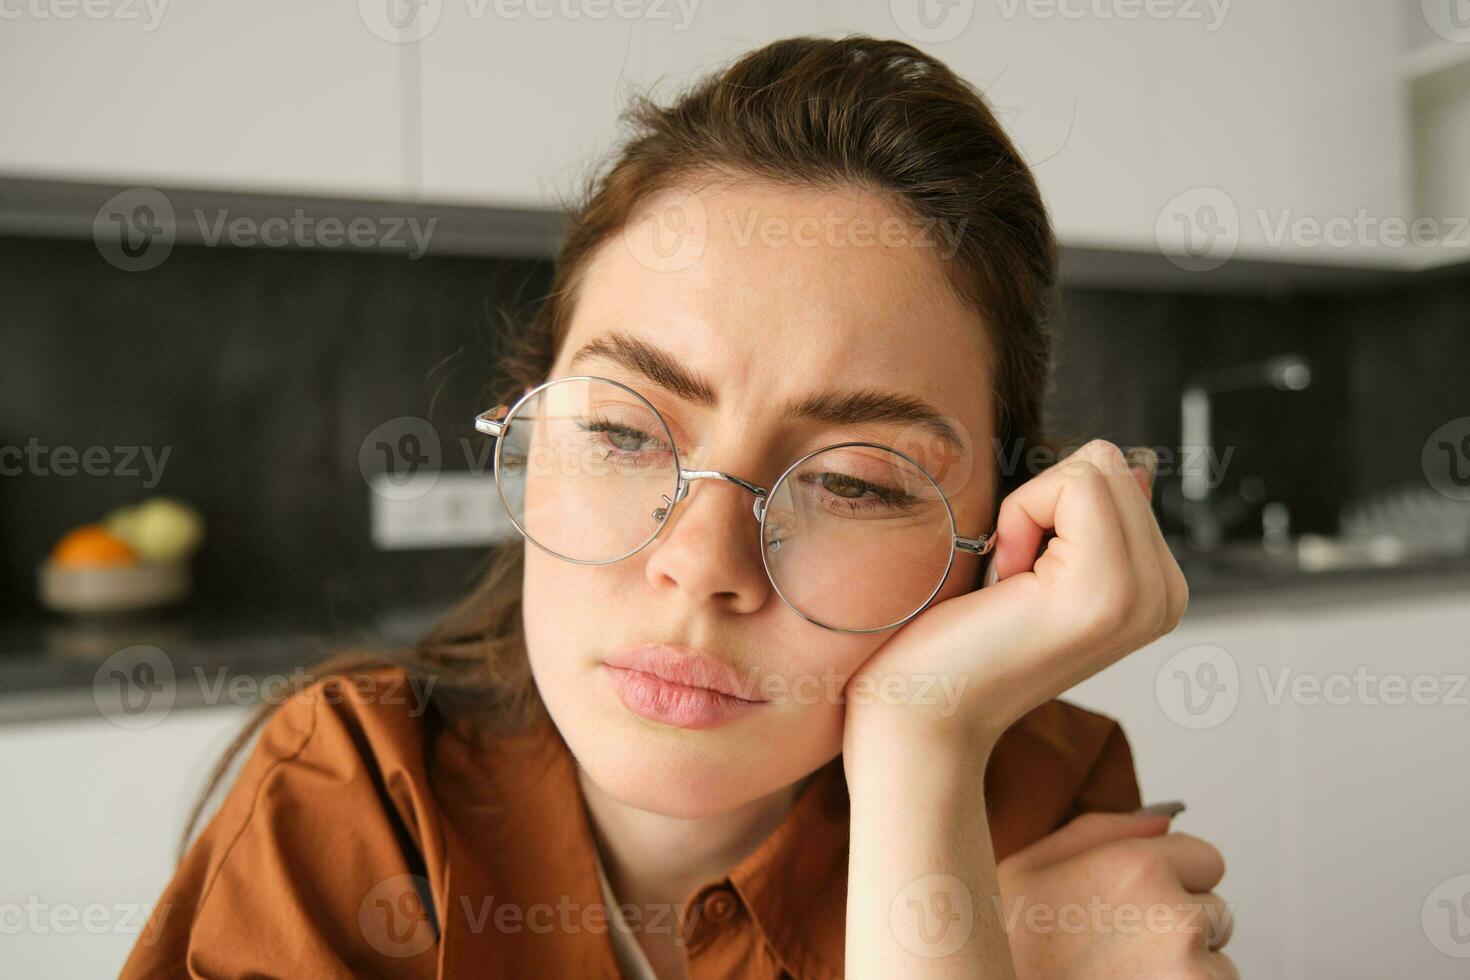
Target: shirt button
<point>719,906</point>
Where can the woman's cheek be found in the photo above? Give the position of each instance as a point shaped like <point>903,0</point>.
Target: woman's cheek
<point>554,639</point>
<point>817,680</point>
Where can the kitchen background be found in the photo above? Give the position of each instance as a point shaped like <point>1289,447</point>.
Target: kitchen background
<point>1172,147</point>
<point>262,372</point>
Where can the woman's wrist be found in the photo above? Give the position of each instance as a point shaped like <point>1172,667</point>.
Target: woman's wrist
<point>917,784</point>
<point>879,738</point>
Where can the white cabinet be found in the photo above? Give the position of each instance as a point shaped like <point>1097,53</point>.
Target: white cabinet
<point>269,95</point>
<point>1295,112</point>
<point>88,832</point>
<point>1382,789</point>
<point>1259,128</point>
<point>519,104</point>
<point>1436,67</point>
<point>1247,129</point>
<point>1335,791</point>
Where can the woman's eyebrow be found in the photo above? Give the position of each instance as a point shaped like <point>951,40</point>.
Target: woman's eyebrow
<point>654,363</point>
<point>833,407</point>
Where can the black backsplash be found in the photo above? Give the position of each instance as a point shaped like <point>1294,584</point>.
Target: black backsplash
<point>261,371</point>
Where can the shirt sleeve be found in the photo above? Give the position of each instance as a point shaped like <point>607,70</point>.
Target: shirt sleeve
<point>1112,781</point>
<point>1057,761</point>
<point>313,865</point>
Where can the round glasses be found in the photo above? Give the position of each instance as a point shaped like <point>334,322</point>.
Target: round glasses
<point>855,537</point>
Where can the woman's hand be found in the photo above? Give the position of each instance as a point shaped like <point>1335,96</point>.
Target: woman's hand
<point>1105,585</point>
<point>922,871</point>
<point>1114,895</point>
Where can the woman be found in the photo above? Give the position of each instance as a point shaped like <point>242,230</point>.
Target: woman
<point>660,745</point>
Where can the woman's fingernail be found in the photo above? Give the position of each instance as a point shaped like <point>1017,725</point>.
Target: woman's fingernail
<point>1170,808</point>
<point>1142,457</point>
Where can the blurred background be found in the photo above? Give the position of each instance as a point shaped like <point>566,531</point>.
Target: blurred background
<point>255,259</point>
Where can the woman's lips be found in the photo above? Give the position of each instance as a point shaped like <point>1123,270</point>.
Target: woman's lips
<point>680,687</point>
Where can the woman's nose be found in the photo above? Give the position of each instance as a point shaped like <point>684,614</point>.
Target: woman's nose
<point>709,550</point>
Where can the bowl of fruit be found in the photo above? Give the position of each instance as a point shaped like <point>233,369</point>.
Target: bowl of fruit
<point>135,558</point>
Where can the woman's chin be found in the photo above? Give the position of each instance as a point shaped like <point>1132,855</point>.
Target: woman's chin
<point>670,787</point>
<point>687,784</point>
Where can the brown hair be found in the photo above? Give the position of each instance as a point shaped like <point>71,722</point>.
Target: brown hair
<point>806,112</point>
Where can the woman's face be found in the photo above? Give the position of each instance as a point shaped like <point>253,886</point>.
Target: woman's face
<point>768,296</point>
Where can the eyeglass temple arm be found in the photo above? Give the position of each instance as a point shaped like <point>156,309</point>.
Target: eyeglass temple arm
<point>487,422</point>
<point>976,546</point>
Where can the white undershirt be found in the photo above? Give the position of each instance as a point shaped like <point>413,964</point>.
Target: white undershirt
<point>631,958</point>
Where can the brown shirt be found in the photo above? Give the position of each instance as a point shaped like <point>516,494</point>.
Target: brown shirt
<point>352,845</point>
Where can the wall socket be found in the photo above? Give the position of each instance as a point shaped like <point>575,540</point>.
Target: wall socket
<point>458,510</point>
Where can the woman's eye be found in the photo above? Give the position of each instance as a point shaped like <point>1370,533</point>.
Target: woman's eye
<point>841,486</point>
<point>627,440</point>
<point>849,488</point>
<point>623,438</point>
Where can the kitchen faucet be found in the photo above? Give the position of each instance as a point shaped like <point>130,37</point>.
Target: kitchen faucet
<point>1200,513</point>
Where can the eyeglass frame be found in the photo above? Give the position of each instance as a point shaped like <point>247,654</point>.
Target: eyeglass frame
<point>495,421</point>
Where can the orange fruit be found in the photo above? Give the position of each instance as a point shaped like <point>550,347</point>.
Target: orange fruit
<point>93,544</point>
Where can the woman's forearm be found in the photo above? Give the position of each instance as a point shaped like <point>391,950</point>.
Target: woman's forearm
<point>921,873</point>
